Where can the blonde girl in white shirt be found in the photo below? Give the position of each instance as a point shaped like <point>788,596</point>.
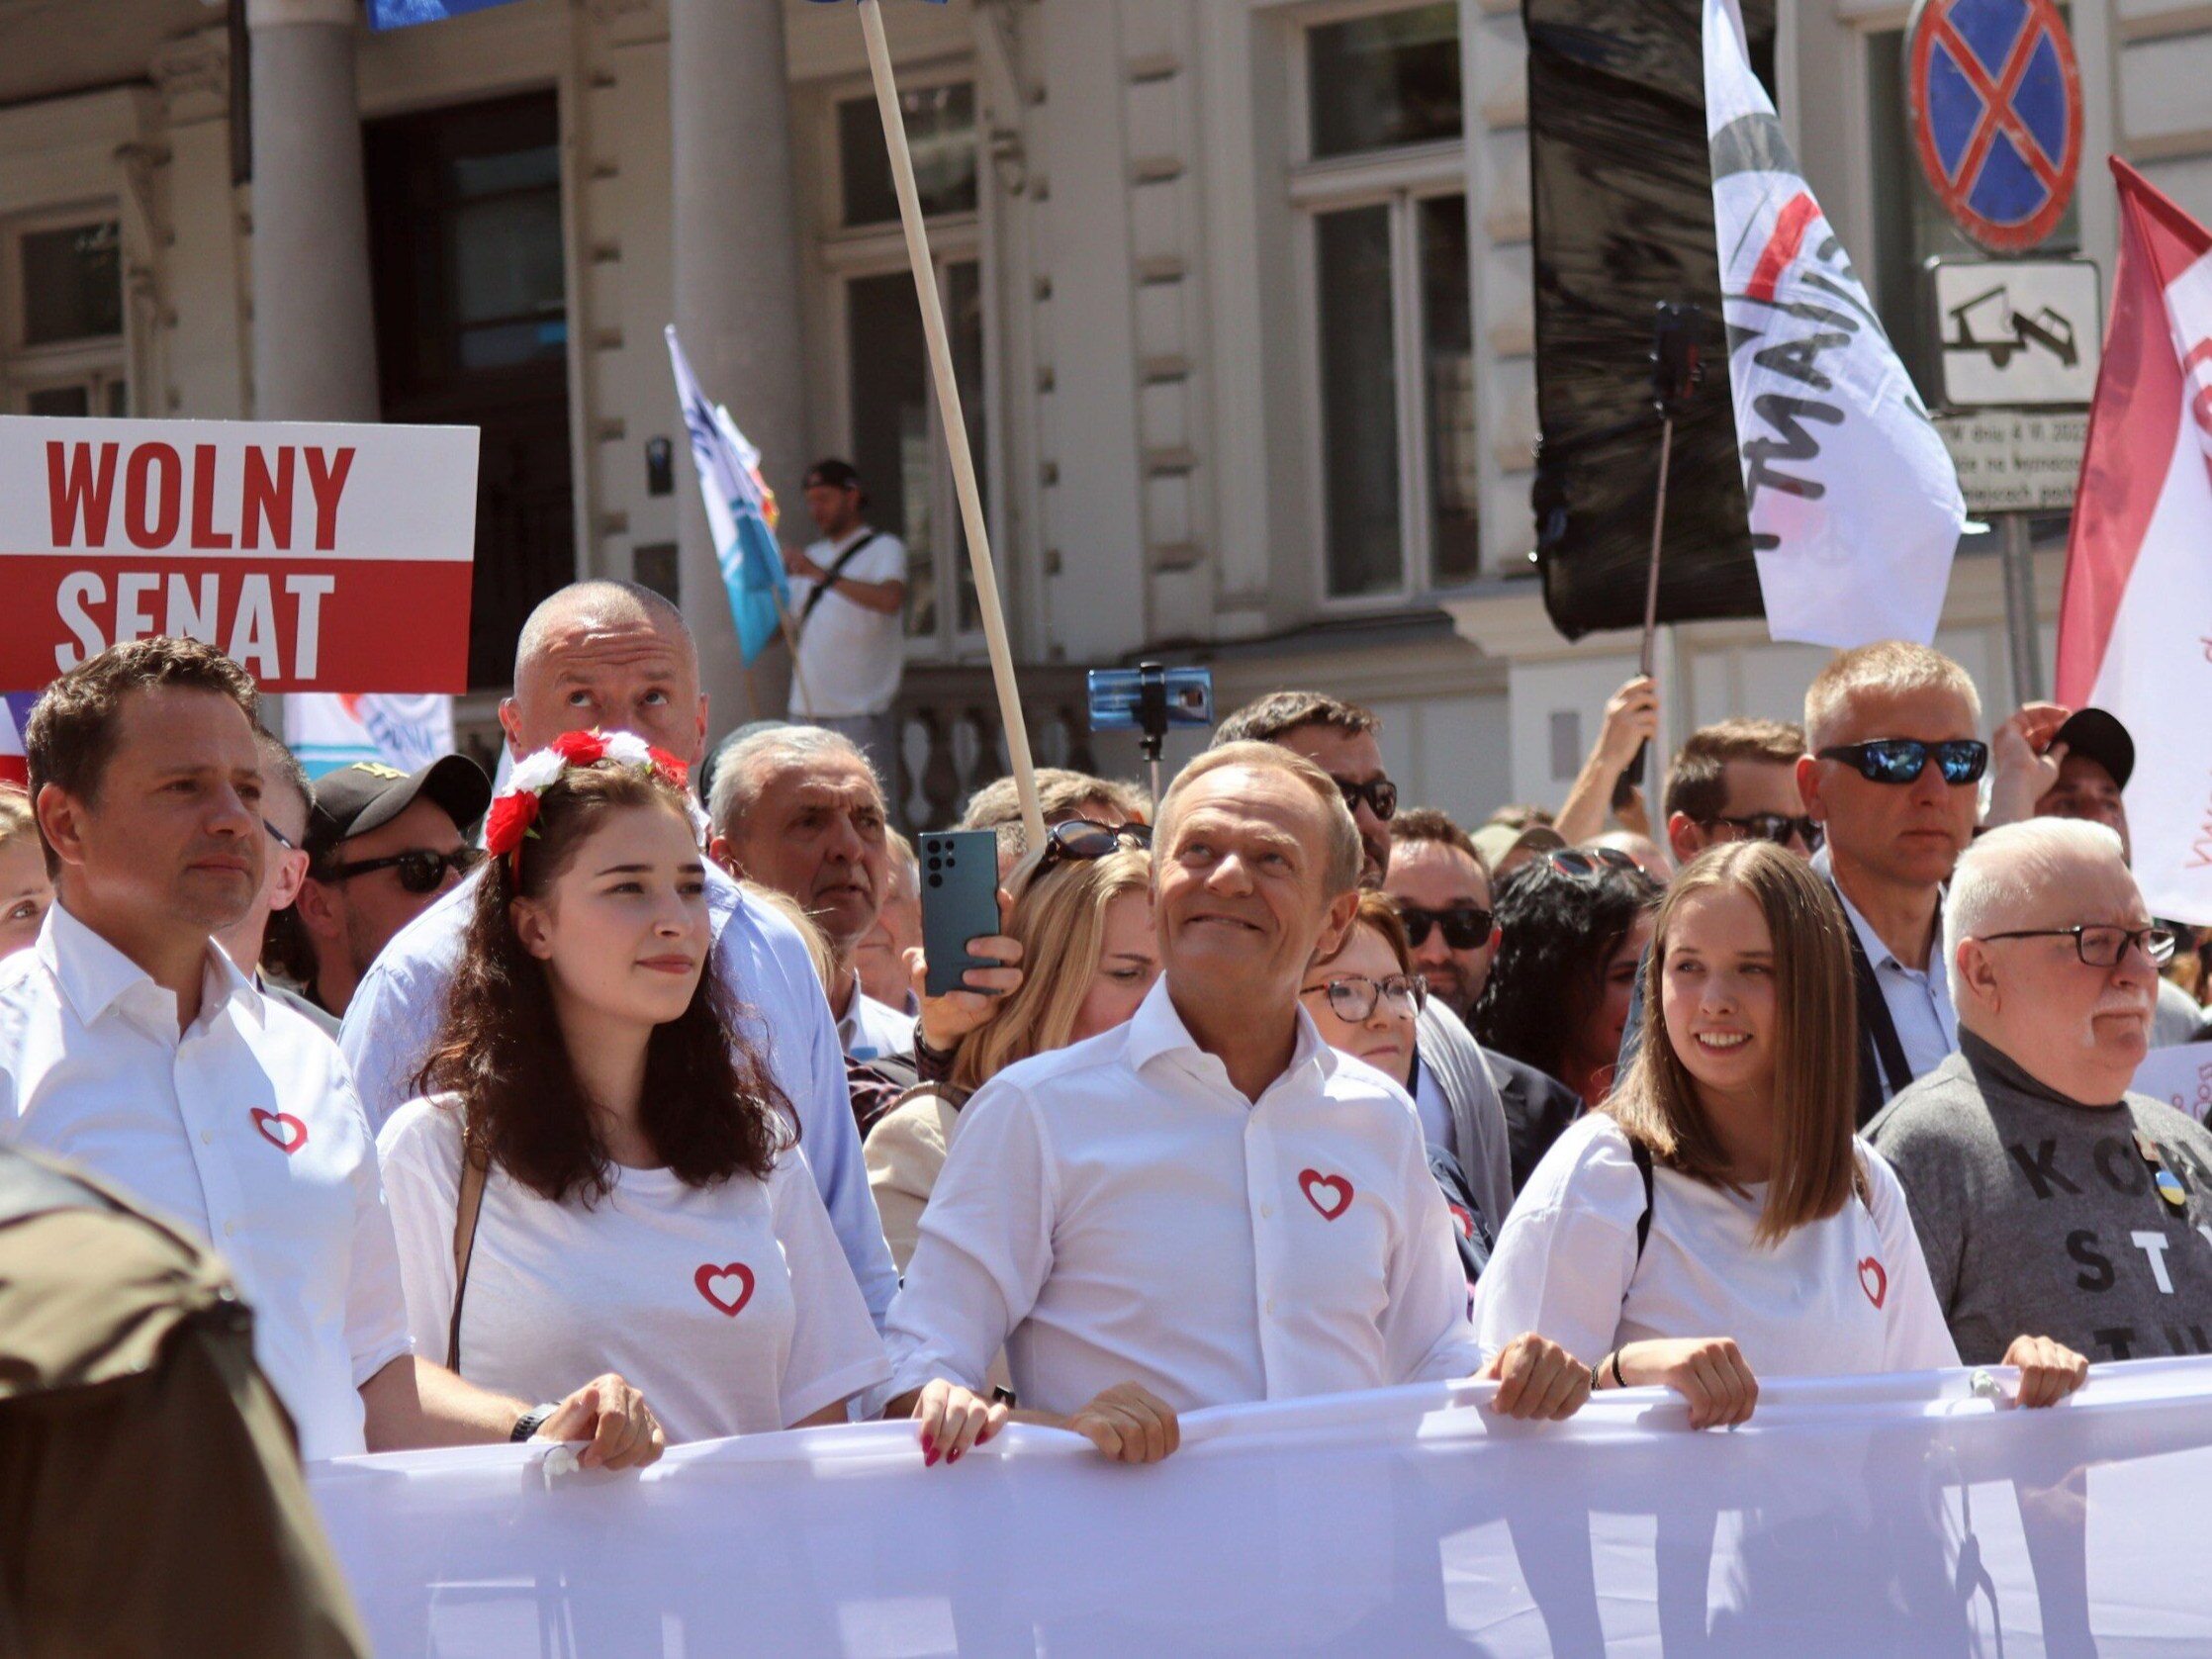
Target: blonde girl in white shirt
<point>1716,1221</point>
<point>643,1192</point>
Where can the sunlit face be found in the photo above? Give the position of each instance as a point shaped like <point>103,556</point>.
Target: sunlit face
<point>1910,833</point>
<point>608,667</point>
<point>1717,991</point>
<point>1598,1044</point>
<point>173,835</point>
<point>24,892</point>
<point>1435,876</point>
<point>816,832</point>
<point>1350,758</point>
<point>2084,790</point>
<point>1128,963</point>
<point>361,914</point>
<point>1385,1037</point>
<point>880,957</point>
<point>623,931</point>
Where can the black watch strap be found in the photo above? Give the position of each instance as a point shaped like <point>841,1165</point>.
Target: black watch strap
<point>530,1422</point>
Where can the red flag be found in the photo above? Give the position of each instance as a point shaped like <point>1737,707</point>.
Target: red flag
<point>2135,625</point>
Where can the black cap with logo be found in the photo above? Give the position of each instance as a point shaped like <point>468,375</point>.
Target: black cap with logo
<point>2099,736</point>
<point>357,798</point>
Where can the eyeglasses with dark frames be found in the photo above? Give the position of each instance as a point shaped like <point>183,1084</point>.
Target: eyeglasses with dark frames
<point>421,871</point>
<point>1083,839</point>
<point>1776,827</point>
<point>1901,759</point>
<point>1380,794</point>
<point>1352,996</point>
<point>1466,927</point>
<point>2102,946</point>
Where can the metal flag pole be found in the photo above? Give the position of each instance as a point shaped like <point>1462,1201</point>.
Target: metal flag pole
<point>1676,370</point>
<point>956,426</point>
<point>790,641</point>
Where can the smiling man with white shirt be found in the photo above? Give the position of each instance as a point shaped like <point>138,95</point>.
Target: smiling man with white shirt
<point>131,1044</point>
<point>1207,1204</point>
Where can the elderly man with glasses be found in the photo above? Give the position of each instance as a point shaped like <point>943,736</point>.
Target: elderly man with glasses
<point>2048,1197</point>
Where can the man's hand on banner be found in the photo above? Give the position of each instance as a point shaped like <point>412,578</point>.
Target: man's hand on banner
<point>2024,762</point>
<point>1538,1379</point>
<point>1127,1423</point>
<point>614,1417</point>
<point>953,1420</point>
<point>2049,1371</point>
<point>1709,1372</point>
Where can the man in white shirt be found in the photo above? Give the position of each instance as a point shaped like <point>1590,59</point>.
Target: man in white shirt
<point>797,808</point>
<point>1891,779</point>
<point>1206,1205</point>
<point>131,1044</point>
<point>618,657</point>
<point>849,604</point>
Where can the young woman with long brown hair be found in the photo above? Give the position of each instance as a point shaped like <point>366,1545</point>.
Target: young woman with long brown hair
<point>1716,1221</point>
<point>639,1196</point>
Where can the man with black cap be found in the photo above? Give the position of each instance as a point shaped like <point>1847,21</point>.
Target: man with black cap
<point>382,845</point>
<point>2048,763</point>
<point>847,599</point>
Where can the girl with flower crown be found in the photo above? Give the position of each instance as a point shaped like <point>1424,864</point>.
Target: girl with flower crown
<point>600,1172</point>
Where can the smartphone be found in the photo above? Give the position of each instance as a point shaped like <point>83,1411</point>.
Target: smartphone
<point>1118,698</point>
<point>960,902</point>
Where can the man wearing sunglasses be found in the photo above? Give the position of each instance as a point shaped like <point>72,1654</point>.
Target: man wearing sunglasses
<point>268,930</point>
<point>1892,783</point>
<point>1737,780</point>
<point>2049,1198</point>
<point>1341,738</point>
<point>382,845</point>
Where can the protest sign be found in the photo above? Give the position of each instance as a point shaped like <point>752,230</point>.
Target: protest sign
<point>1868,1514</point>
<point>2181,1076</point>
<point>320,558</point>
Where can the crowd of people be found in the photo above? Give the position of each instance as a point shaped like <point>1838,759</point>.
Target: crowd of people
<point>617,1111</point>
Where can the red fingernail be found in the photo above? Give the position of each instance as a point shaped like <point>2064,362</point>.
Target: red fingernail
<point>929,1461</point>
<point>951,1457</point>
<point>929,1445</point>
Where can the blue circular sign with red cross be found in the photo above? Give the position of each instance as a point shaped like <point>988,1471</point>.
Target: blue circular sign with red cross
<point>1996,96</point>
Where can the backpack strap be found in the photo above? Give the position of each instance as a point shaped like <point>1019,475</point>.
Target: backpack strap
<point>1643,1154</point>
<point>829,580</point>
<point>476,1170</point>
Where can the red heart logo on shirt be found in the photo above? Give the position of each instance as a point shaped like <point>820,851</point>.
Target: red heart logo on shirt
<point>715,1283</point>
<point>281,1129</point>
<point>1873,1280</point>
<point>1313,1179</point>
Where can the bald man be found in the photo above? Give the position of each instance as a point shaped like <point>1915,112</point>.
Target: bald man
<point>618,657</point>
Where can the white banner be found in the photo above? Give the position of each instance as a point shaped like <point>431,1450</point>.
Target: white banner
<point>1882,1514</point>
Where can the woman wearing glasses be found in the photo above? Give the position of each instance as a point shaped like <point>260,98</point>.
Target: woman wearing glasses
<point>1083,916</point>
<point>1573,925</point>
<point>1716,1221</point>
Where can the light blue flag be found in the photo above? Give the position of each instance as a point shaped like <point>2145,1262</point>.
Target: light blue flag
<point>740,511</point>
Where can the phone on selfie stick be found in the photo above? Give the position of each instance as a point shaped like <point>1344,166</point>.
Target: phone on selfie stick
<point>1676,369</point>
<point>960,902</point>
<point>1149,698</point>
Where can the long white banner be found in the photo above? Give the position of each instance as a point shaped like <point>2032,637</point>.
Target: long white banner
<point>1888,1515</point>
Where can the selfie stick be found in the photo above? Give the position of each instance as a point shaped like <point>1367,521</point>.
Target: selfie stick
<point>949,414</point>
<point>1672,382</point>
<point>1152,717</point>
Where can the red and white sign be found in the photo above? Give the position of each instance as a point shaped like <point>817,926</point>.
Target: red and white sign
<point>319,558</point>
<point>2135,624</point>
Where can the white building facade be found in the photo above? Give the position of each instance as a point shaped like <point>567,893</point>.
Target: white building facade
<point>1239,288</point>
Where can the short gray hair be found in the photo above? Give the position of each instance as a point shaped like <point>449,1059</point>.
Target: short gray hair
<point>746,755</point>
<point>1890,667</point>
<point>2009,868</point>
<point>1342,857</point>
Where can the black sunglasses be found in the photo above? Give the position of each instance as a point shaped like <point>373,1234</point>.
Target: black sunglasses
<point>2105,945</point>
<point>1776,827</point>
<point>1901,759</point>
<point>1380,794</point>
<point>1594,860</point>
<point>279,837</point>
<point>1086,838</point>
<point>1466,926</point>
<point>421,869</point>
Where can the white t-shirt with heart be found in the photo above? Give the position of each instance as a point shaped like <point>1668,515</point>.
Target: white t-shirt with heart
<point>730,1308</point>
<point>1840,1297</point>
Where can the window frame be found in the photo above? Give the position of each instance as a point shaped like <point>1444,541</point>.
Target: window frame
<point>853,253</point>
<point>98,362</point>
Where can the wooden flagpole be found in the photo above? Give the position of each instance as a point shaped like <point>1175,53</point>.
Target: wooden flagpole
<point>955,427</point>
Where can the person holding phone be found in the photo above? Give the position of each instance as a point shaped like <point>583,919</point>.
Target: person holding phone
<point>1715,1221</point>
<point>602,1170</point>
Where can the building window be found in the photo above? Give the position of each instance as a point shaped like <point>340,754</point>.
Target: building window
<point>65,338</point>
<point>941,133</point>
<point>894,433</point>
<point>1380,81</point>
<point>1912,230</point>
<point>1384,190</point>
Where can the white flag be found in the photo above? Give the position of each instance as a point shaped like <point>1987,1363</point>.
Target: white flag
<point>329,730</point>
<point>1854,504</point>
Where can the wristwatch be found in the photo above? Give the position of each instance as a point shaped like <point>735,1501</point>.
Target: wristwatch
<point>530,1422</point>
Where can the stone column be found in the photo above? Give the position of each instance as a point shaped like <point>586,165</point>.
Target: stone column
<point>737,288</point>
<point>314,326</point>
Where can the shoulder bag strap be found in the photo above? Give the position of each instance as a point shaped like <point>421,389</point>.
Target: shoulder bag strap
<point>829,579</point>
<point>476,1169</point>
<point>1643,1154</point>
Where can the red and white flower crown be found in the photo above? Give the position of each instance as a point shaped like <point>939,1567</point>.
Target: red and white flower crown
<point>514,817</point>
